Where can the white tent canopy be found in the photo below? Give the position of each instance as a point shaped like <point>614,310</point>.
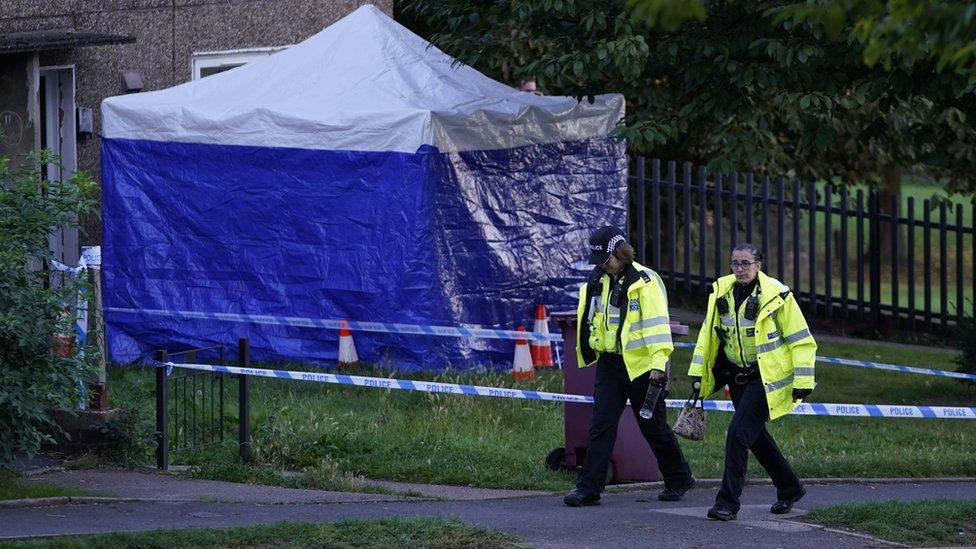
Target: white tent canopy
<point>365,83</point>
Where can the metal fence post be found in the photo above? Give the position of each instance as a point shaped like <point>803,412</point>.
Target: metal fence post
<point>244,428</point>
<point>220,378</point>
<point>641,228</point>
<point>162,414</point>
<point>874,250</point>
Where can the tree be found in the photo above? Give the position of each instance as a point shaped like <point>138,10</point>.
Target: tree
<point>892,31</point>
<point>900,32</point>
<point>732,84</point>
<point>33,378</point>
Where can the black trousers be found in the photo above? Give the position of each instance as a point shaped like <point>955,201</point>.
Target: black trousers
<point>612,388</point>
<point>747,431</point>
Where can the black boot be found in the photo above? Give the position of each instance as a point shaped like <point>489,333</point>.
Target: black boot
<point>676,493</point>
<point>717,513</point>
<point>579,499</point>
<point>784,506</point>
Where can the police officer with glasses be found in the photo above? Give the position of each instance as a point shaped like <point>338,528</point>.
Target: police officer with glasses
<point>624,329</point>
<point>755,340</point>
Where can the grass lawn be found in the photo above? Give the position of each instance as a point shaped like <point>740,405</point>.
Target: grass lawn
<point>339,434</point>
<point>919,190</point>
<point>919,523</point>
<point>411,532</point>
<point>13,486</point>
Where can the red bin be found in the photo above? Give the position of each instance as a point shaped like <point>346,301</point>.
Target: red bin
<point>632,459</point>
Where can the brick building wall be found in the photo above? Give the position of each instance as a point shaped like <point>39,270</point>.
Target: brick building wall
<point>167,33</point>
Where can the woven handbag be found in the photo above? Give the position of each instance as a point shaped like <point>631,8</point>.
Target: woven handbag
<point>691,420</point>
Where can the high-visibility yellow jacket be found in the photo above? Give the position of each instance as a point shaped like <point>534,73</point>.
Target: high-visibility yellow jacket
<point>642,322</point>
<point>785,349</point>
<point>740,345</point>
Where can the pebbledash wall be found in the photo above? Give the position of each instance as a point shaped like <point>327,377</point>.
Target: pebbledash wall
<point>175,41</point>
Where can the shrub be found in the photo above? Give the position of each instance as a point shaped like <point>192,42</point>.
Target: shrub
<point>33,379</point>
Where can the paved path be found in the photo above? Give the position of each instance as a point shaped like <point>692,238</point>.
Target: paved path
<point>627,518</point>
<point>149,485</point>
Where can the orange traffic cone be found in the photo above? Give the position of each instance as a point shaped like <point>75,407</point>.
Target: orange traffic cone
<point>541,350</point>
<point>522,363</point>
<point>347,347</point>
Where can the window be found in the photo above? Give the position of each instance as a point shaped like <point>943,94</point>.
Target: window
<point>213,62</point>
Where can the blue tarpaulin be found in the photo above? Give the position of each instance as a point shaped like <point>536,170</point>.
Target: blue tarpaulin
<point>469,214</point>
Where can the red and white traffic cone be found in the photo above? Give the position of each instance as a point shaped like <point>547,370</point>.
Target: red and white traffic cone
<point>347,347</point>
<point>541,350</point>
<point>522,363</point>
<point>727,393</point>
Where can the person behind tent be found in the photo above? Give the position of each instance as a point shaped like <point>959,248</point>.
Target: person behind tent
<point>528,85</point>
<point>755,340</point>
<point>623,328</point>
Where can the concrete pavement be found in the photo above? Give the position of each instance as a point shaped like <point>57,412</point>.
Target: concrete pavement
<point>629,517</point>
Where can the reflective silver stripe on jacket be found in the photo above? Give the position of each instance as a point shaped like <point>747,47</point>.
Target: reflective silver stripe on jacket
<point>613,315</point>
<point>697,359</point>
<point>775,386</point>
<point>793,338</point>
<point>649,323</point>
<point>766,347</point>
<point>745,322</point>
<point>648,340</point>
<point>727,320</point>
<point>803,371</point>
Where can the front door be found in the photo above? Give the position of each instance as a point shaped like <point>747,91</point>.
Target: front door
<point>58,135</point>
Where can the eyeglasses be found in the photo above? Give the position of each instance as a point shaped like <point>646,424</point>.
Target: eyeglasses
<point>736,265</point>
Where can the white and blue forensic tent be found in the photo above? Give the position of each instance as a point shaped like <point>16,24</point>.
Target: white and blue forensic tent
<point>360,174</point>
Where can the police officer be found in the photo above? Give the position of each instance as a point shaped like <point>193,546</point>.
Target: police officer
<point>623,327</point>
<point>755,340</point>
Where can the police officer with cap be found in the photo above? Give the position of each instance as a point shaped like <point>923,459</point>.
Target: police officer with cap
<point>623,328</point>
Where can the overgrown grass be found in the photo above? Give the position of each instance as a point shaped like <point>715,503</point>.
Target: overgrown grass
<point>324,476</point>
<point>341,434</point>
<point>918,523</point>
<point>408,532</point>
<point>13,486</point>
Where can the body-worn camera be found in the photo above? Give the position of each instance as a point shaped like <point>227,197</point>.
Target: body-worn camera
<point>752,308</point>
<point>722,304</point>
<point>617,295</point>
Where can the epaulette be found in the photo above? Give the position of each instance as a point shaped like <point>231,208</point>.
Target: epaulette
<point>645,276</point>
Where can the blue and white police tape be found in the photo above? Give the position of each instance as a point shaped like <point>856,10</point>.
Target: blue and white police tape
<point>384,383</point>
<point>466,331</point>
<point>895,367</point>
<point>806,409</point>
<point>874,365</point>
<point>335,324</point>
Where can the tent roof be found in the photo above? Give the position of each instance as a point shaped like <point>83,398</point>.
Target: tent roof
<point>364,83</point>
